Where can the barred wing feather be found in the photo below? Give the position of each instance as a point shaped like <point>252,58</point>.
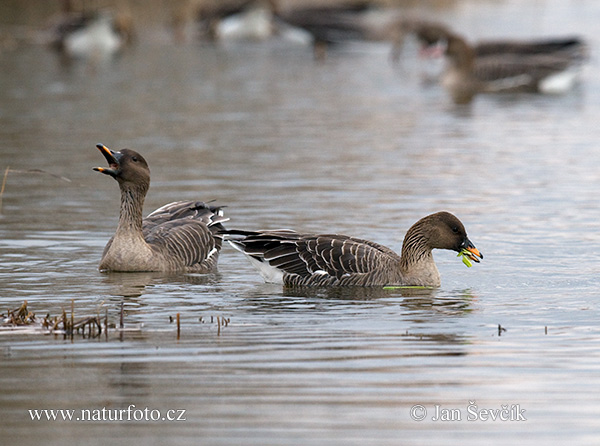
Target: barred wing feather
<point>305,255</point>
<point>196,210</point>
<point>188,229</point>
<point>191,242</point>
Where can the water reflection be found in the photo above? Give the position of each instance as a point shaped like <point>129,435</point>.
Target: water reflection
<point>348,146</point>
<point>129,379</point>
<point>352,293</point>
<point>129,285</point>
<point>132,285</point>
<point>458,305</point>
<point>412,299</point>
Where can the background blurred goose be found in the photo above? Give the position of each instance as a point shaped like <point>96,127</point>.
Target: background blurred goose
<point>468,75</point>
<point>91,34</point>
<point>253,21</point>
<point>224,19</point>
<point>180,236</point>
<point>543,66</point>
<point>295,259</point>
<point>432,34</point>
<point>321,25</point>
<point>328,24</point>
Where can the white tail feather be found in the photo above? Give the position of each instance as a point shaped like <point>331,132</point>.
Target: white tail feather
<point>269,273</point>
<point>560,82</point>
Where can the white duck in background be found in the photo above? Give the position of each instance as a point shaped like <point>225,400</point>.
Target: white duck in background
<point>94,35</point>
<point>97,39</point>
<point>255,23</point>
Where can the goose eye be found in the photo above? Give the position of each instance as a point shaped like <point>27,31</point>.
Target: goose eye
<point>135,159</point>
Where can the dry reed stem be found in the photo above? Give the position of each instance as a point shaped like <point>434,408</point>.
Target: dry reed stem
<point>3,187</point>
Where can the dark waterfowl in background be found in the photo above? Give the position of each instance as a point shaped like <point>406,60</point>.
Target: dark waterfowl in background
<point>542,66</point>
<point>432,34</point>
<point>255,20</point>
<point>327,24</point>
<point>90,33</point>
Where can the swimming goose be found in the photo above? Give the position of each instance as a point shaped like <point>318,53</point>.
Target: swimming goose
<point>253,22</point>
<point>537,73</point>
<point>91,34</point>
<point>295,259</point>
<point>550,66</point>
<point>247,20</point>
<point>432,34</point>
<point>180,236</point>
<point>224,19</point>
<point>326,25</point>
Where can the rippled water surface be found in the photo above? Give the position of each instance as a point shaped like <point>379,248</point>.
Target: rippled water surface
<point>352,145</point>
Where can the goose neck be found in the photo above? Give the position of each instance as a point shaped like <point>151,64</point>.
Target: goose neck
<point>132,203</point>
<point>415,249</point>
<point>460,53</point>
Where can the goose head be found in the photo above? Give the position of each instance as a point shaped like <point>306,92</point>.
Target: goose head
<point>436,40</point>
<point>127,166</point>
<point>443,230</point>
<point>459,52</point>
<point>433,38</point>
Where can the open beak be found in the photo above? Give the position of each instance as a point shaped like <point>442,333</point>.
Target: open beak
<point>112,158</point>
<point>473,252</point>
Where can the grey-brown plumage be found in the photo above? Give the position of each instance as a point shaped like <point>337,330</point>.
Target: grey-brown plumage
<point>327,24</point>
<point>180,236</point>
<point>432,33</point>
<point>468,74</point>
<point>571,46</point>
<point>90,32</point>
<point>538,66</point>
<point>296,259</point>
